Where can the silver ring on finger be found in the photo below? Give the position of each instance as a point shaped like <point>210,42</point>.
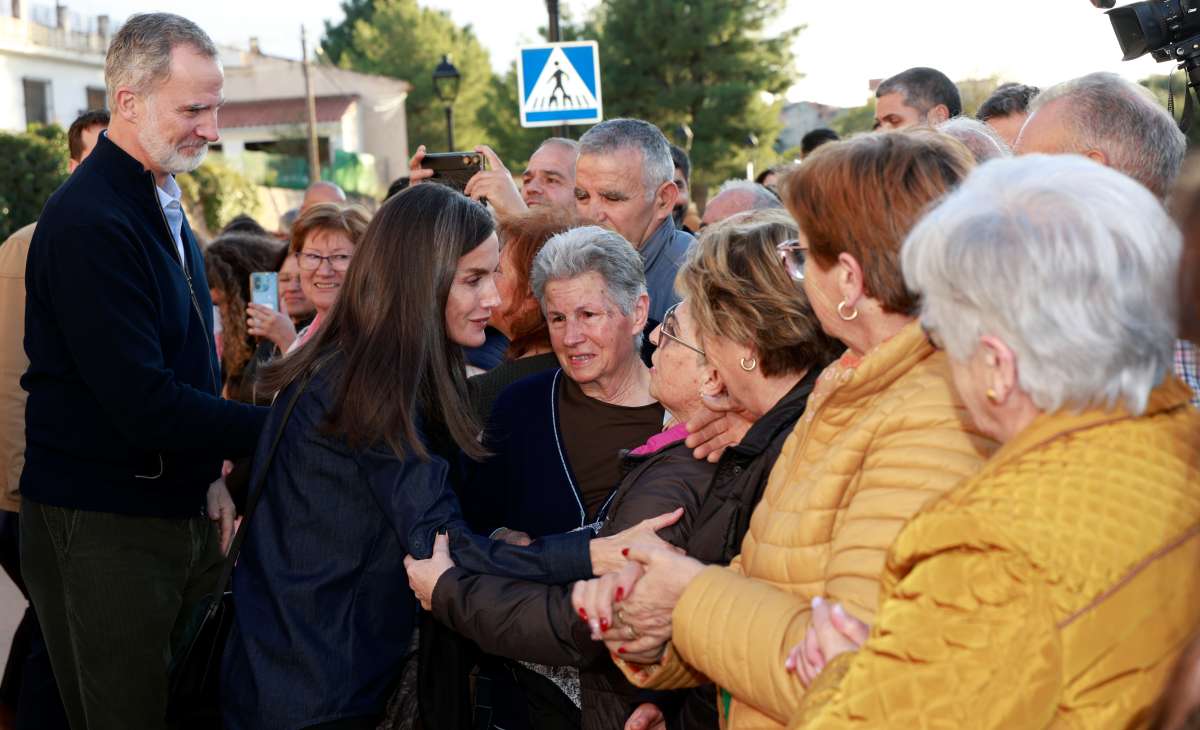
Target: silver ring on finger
<point>632,632</point>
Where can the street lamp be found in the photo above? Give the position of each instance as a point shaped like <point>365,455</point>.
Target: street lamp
<point>445,85</point>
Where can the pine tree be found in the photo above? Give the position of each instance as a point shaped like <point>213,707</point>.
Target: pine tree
<point>709,64</point>
<point>398,38</point>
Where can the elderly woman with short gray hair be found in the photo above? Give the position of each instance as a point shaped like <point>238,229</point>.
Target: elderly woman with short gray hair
<point>1056,587</point>
<point>555,436</point>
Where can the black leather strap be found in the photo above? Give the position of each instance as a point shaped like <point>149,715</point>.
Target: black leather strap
<point>256,489</point>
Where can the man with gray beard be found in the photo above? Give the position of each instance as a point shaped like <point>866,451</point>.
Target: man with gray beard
<point>121,533</point>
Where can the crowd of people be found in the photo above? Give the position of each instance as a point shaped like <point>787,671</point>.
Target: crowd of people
<point>901,433</point>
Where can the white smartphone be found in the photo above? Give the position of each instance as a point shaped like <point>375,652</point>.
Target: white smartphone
<point>264,289</point>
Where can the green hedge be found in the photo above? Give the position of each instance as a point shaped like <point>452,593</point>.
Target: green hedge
<point>32,166</point>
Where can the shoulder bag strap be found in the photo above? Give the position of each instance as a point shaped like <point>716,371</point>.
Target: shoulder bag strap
<point>256,490</point>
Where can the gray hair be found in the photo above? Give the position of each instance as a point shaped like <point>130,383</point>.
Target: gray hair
<point>1124,121</point>
<point>979,138</point>
<point>591,249</point>
<point>761,197</point>
<point>561,142</point>
<point>612,135</point>
<point>139,56</point>
<point>1073,265</point>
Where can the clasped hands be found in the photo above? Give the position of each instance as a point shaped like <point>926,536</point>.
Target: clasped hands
<point>831,631</point>
<point>630,609</point>
<point>607,553</point>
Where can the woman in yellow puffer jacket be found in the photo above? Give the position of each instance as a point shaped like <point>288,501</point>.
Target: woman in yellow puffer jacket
<point>1057,586</point>
<point>883,434</point>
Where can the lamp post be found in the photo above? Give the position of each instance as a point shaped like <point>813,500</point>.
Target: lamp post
<point>445,85</point>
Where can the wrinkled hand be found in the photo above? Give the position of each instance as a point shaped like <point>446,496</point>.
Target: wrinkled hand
<point>221,511</point>
<point>512,537</point>
<point>275,326</point>
<point>416,173</point>
<point>831,631</point>
<point>608,553</point>
<point>713,429</point>
<point>630,610</point>
<point>496,184</point>
<point>423,575</point>
<point>647,716</point>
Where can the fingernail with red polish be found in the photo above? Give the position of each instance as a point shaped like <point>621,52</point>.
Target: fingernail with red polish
<point>620,650</point>
<point>604,624</point>
<point>620,594</point>
<point>583,614</point>
<point>625,552</point>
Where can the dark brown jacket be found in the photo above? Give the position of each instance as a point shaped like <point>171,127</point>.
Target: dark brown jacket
<point>536,623</point>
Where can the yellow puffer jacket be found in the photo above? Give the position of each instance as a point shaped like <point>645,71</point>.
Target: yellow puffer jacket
<point>1053,590</point>
<point>880,438</point>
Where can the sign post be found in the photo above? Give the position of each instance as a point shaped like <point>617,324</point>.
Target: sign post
<point>559,83</point>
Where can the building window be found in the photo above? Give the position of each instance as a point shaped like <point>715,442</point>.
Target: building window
<point>37,101</point>
<point>96,98</point>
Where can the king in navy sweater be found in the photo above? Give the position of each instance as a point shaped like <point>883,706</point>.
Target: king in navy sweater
<point>124,413</point>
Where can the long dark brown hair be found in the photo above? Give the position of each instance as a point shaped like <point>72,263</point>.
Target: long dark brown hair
<point>228,261</point>
<point>395,364</point>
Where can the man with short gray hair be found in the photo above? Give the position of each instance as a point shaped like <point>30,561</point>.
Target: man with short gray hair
<point>737,196</point>
<point>625,181</point>
<point>1120,125</point>
<point>125,426</point>
<point>1113,121</point>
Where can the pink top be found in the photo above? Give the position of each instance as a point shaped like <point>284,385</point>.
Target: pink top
<point>305,334</point>
<point>660,441</point>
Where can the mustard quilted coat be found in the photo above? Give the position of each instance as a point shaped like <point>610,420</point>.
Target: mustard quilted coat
<point>1053,590</point>
<point>880,438</point>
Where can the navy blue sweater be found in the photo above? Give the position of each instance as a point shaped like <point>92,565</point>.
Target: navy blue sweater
<point>123,413</point>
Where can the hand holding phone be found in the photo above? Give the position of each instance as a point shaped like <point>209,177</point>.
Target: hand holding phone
<point>454,169</point>
<point>264,289</point>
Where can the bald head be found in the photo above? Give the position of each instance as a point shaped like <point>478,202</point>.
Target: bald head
<point>322,192</point>
<point>737,196</point>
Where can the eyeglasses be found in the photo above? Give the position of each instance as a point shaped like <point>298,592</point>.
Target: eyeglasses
<point>792,256</point>
<point>668,329</point>
<point>312,261</point>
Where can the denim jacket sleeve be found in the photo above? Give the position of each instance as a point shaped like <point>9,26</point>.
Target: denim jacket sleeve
<point>417,500</point>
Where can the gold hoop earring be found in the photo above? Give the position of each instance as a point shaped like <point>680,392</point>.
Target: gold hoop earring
<point>842,314</point>
<point>749,368</point>
<point>991,396</point>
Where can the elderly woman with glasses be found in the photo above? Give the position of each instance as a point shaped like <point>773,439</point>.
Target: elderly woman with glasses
<point>882,435</point>
<point>730,282</point>
<point>323,242</point>
<point>1057,587</point>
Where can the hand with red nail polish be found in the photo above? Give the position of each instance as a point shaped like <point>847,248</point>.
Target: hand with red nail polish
<point>640,626</point>
<point>608,553</point>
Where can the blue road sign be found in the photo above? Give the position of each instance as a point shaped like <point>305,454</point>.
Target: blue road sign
<point>559,83</point>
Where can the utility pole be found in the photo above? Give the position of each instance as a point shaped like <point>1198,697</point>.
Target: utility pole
<point>314,150</point>
<point>553,32</point>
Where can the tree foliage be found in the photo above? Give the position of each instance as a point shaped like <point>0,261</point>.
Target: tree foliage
<point>32,166</point>
<point>338,41</point>
<point>400,39</point>
<point>855,120</point>
<point>219,191</point>
<point>707,63</point>
<point>1159,85</point>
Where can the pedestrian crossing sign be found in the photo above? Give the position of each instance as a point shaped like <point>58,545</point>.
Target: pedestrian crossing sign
<point>559,83</point>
